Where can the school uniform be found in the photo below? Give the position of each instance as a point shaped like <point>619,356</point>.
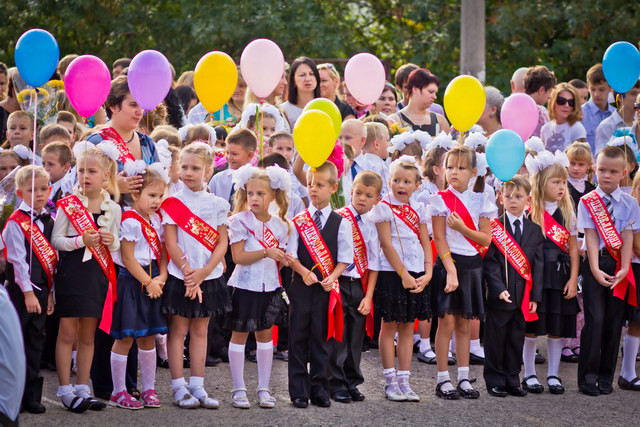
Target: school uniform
<point>374,163</point>
<point>603,312</point>
<point>308,311</point>
<point>504,321</point>
<point>358,165</point>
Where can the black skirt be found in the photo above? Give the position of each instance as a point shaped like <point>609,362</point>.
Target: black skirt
<point>215,299</point>
<point>467,300</point>
<point>254,311</point>
<point>134,313</point>
<point>397,304</point>
<point>633,313</point>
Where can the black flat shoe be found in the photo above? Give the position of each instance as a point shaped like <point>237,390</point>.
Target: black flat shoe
<point>555,389</point>
<point>356,396</point>
<point>447,395</point>
<point>572,358</point>
<point>34,407</point>
<point>467,393</point>
<point>342,396</point>
<point>164,364</point>
<point>535,389</point>
<point>589,389</point>
<point>321,402</point>
<point>634,384</point>
<point>96,405</point>
<point>252,356</point>
<point>212,361</point>
<point>475,359</point>
<point>300,402</point>
<point>78,405</point>
<point>498,391</point>
<point>516,391</point>
<point>540,359</point>
<point>605,388</point>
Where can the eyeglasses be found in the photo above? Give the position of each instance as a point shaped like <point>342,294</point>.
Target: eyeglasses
<point>636,106</point>
<point>562,100</point>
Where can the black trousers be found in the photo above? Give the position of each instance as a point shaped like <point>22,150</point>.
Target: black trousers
<point>503,341</point>
<point>345,373</point>
<point>308,315</point>
<point>33,333</point>
<point>603,320</point>
<point>101,366</point>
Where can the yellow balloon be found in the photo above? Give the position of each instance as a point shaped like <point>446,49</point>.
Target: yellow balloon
<point>314,137</point>
<point>215,79</point>
<point>464,102</point>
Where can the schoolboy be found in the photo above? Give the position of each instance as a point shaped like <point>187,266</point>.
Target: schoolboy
<point>376,151</point>
<point>53,132</point>
<point>354,134</point>
<point>56,159</point>
<point>241,146</point>
<point>19,129</point>
<point>597,108</point>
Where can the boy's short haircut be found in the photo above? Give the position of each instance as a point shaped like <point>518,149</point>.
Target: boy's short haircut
<point>375,118</point>
<point>54,130</point>
<point>25,174</point>
<point>20,114</point>
<point>280,134</point>
<point>357,123</point>
<point>60,149</point>
<point>167,132</point>
<point>327,167</point>
<point>518,182</point>
<point>537,77</point>
<point>578,84</point>
<point>402,74</point>
<point>66,116</point>
<point>244,138</point>
<point>612,152</point>
<point>121,62</point>
<point>64,63</point>
<point>369,179</point>
<point>595,75</point>
<point>375,132</point>
<point>348,151</point>
<point>273,159</point>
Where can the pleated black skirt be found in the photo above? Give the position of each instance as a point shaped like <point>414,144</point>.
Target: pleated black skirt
<point>394,303</point>
<point>467,300</point>
<point>216,300</point>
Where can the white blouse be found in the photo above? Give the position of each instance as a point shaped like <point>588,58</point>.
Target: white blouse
<point>211,209</point>
<point>403,239</point>
<point>479,205</point>
<point>370,234</point>
<point>551,207</point>
<point>131,231</point>
<point>262,275</point>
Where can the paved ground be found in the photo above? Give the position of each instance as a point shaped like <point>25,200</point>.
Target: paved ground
<point>572,408</point>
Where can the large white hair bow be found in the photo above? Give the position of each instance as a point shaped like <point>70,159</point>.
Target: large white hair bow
<point>544,159</point>
<point>252,109</point>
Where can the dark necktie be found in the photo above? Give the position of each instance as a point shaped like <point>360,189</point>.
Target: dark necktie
<point>354,171</point>
<point>232,196</point>
<point>317,219</point>
<point>41,217</point>
<point>518,231</point>
<point>608,203</point>
<point>353,264</point>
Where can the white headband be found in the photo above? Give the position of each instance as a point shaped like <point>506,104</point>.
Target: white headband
<point>475,140</point>
<point>534,144</point>
<point>250,111</point>
<point>544,159</point>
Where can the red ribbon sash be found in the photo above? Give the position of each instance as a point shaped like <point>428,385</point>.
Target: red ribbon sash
<point>612,240</point>
<point>82,221</point>
<point>110,134</point>
<point>360,259</point>
<point>270,241</point>
<point>455,205</point>
<point>518,260</point>
<point>45,253</point>
<point>320,254</point>
<point>408,215</point>
<point>556,232</point>
<point>191,223</point>
<point>149,233</point>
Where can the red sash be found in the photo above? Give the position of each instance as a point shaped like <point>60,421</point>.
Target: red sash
<point>556,232</point>
<point>320,254</point>
<point>110,134</point>
<point>612,240</point>
<point>148,232</point>
<point>360,259</point>
<point>45,253</point>
<point>191,223</point>
<point>455,205</point>
<point>408,215</point>
<point>518,260</point>
<point>81,220</point>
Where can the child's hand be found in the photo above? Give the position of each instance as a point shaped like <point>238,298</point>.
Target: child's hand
<point>452,283</point>
<point>288,260</point>
<point>32,303</point>
<point>187,271</point>
<point>533,307</point>
<point>91,238</point>
<point>619,277</point>
<point>455,222</point>
<point>570,289</point>
<point>327,282</point>
<point>50,304</point>
<point>276,254</point>
<point>603,278</point>
<point>365,306</point>
<point>106,237</point>
<point>129,184</point>
<point>154,289</point>
<point>310,278</point>
<point>421,283</point>
<point>504,296</point>
<point>193,293</point>
<point>199,274</point>
<point>408,281</point>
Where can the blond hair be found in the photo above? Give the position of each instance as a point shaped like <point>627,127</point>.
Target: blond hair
<point>375,131</point>
<point>538,182</point>
<point>280,196</point>
<point>28,173</point>
<point>198,133</point>
<point>201,150</point>
<point>107,164</point>
<point>576,112</point>
<point>406,166</point>
<point>167,132</point>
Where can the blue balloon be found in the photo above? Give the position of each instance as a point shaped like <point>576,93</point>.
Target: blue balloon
<point>36,55</point>
<point>505,154</point>
<point>621,66</point>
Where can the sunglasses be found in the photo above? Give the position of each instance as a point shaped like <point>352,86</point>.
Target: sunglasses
<point>562,100</point>
<point>636,106</point>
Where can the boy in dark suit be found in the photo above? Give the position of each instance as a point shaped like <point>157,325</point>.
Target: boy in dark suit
<point>512,292</point>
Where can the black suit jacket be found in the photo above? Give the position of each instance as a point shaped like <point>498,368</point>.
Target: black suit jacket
<point>494,269</point>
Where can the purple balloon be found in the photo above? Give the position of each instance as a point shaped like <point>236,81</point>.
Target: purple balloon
<point>520,114</point>
<point>149,78</point>
<point>87,83</point>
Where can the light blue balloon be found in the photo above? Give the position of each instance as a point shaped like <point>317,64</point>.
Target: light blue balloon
<point>505,154</point>
<point>36,55</point>
<point>621,66</point>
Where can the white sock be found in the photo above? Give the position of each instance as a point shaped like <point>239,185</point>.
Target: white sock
<point>118,372</point>
<point>389,375</point>
<point>416,338</point>
<point>161,346</point>
<point>476,348</point>
<point>196,386</point>
<point>463,374</point>
<point>554,352</point>
<point>631,345</point>
<point>264,354</point>
<point>82,390</point>
<point>444,376</point>
<point>452,343</point>
<point>66,394</point>
<point>529,359</point>
<point>236,364</point>
<point>74,354</point>
<point>425,345</point>
<point>147,361</point>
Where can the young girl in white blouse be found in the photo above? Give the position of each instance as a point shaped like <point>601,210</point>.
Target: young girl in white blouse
<point>462,231</point>
<point>257,240</point>
<point>404,272</point>
<point>195,229</point>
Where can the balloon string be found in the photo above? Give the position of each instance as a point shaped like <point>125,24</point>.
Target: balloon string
<point>261,111</point>
<point>33,173</point>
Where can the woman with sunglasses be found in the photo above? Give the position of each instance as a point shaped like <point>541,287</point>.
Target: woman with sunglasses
<point>565,113</point>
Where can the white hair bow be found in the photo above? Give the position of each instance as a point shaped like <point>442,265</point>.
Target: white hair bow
<point>159,168</point>
<point>405,159</point>
<point>534,144</point>
<point>251,109</point>
<point>481,164</point>
<point>184,130</point>
<point>164,155</point>
<point>242,175</point>
<point>134,167</point>
<point>475,140</point>
<point>544,159</point>
<point>279,178</point>
<point>622,140</point>
<point>442,140</point>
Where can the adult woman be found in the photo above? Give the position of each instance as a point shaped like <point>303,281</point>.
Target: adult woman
<point>329,83</point>
<point>228,115</point>
<point>9,104</point>
<point>422,88</point>
<point>386,103</point>
<point>490,119</point>
<point>304,85</point>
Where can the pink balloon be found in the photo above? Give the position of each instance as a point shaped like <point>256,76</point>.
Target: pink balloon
<point>87,83</point>
<point>149,78</point>
<point>262,65</point>
<point>520,114</point>
<point>364,76</point>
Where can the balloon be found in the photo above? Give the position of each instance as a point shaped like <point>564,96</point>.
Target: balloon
<point>365,77</point>
<point>464,101</point>
<point>36,56</point>
<point>215,80</point>
<point>520,113</point>
<point>505,154</point>
<point>149,78</point>
<point>314,137</point>
<point>262,65</point>
<point>327,106</point>
<point>87,83</point>
<point>621,66</point>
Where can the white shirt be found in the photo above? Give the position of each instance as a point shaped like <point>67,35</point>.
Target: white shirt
<point>211,209</point>
<point>512,219</point>
<point>292,112</point>
<point>131,231</point>
<point>55,186</point>
<point>221,184</point>
<point>297,187</point>
<point>605,130</point>
<point>262,275</point>
<point>551,208</point>
<point>404,239</point>
<point>359,164</point>
<point>578,183</point>
<point>17,255</point>
<point>345,238</point>
<point>370,234</point>
<point>375,164</point>
<point>423,194</point>
<point>479,206</point>
<point>175,187</point>
<point>197,114</point>
<point>12,358</point>
<point>558,137</point>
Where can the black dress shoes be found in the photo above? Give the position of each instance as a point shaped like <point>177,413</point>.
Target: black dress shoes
<point>516,391</point>
<point>605,388</point>
<point>34,407</point>
<point>498,391</point>
<point>322,402</point>
<point>342,396</point>
<point>535,389</point>
<point>475,359</point>
<point>557,388</point>
<point>212,361</point>
<point>589,389</point>
<point>356,396</point>
<point>634,384</point>
<point>300,402</point>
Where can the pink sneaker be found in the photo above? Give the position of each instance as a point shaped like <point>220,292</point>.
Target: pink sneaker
<point>150,399</point>
<point>124,400</point>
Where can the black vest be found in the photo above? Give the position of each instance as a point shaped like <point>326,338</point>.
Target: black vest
<point>38,275</point>
<point>330,235</point>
